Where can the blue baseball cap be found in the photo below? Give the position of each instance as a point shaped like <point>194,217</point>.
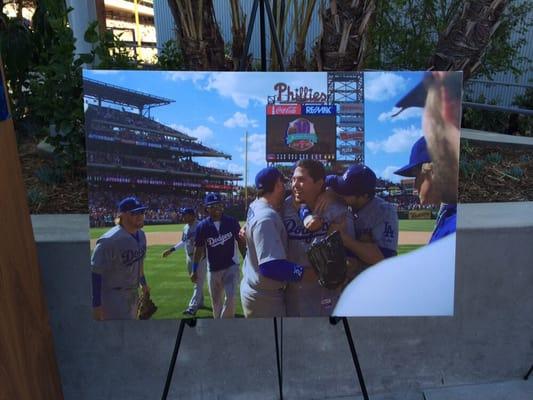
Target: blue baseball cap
<point>419,155</point>
<point>187,211</point>
<point>212,198</point>
<point>357,180</point>
<point>267,178</point>
<point>131,204</point>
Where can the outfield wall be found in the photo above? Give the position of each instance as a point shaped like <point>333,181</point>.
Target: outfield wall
<point>489,339</point>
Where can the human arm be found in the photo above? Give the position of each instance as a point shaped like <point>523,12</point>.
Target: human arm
<point>241,241</point>
<point>142,280</point>
<point>97,296</point>
<point>366,250</point>
<point>311,222</point>
<point>177,246</point>
<point>100,260</point>
<point>198,255</point>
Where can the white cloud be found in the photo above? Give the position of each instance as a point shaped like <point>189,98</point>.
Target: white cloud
<point>201,132</point>
<point>402,139</point>
<point>240,120</point>
<point>226,165</point>
<point>382,86</point>
<point>388,174</point>
<point>256,149</point>
<point>231,85</point>
<point>413,112</point>
<point>211,119</point>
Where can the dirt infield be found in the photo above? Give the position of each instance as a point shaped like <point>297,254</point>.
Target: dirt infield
<point>170,238</point>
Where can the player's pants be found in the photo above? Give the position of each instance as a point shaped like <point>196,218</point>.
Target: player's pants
<point>309,299</point>
<point>119,303</point>
<point>220,283</point>
<point>197,299</point>
<point>258,303</point>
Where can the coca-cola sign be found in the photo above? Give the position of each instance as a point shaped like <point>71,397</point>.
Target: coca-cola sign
<point>285,109</point>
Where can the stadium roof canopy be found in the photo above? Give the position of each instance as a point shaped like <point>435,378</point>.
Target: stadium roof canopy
<point>127,97</point>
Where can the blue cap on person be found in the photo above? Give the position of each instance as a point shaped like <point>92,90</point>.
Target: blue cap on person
<point>267,178</point>
<point>131,204</point>
<point>187,211</point>
<point>212,198</point>
<point>357,180</point>
<point>419,155</point>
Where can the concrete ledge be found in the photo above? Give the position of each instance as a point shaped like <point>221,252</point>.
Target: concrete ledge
<point>495,215</point>
<point>60,228</point>
<point>496,138</point>
<point>510,390</point>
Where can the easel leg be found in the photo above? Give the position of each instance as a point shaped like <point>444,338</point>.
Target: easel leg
<point>279,354</point>
<point>334,321</point>
<point>191,322</point>
<point>528,373</point>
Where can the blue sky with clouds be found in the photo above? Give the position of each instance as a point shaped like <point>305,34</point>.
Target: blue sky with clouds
<point>219,107</point>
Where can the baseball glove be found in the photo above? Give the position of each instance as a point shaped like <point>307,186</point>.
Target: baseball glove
<point>328,258</point>
<point>146,307</point>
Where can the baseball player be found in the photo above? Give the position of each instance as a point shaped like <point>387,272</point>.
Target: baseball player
<point>376,218</point>
<point>217,235</point>
<point>266,269</point>
<point>421,167</point>
<point>306,298</point>
<point>421,282</point>
<point>117,265</point>
<point>187,241</point>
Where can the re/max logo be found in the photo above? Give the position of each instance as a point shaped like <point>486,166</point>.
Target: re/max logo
<point>319,110</point>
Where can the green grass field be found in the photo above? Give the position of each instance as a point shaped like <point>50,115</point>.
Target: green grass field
<point>172,289</point>
<point>408,225</point>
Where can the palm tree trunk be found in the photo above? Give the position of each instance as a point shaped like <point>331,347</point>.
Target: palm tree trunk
<point>342,43</point>
<point>464,42</point>
<point>198,34</point>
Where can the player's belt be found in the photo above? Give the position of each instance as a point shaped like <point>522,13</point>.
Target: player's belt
<point>124,288</point>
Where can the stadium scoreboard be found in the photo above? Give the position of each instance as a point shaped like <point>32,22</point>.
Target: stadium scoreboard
<point>300,131</point>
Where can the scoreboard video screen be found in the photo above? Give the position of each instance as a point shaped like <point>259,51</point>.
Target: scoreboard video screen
<point>300,131</point>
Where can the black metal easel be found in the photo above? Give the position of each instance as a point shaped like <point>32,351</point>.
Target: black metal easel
<point>187,321</point>
<point>264,6</point>
<point>358,370</point>
<point>526,377</point>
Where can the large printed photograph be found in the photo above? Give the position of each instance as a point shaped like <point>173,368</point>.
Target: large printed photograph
<point>256,195</point>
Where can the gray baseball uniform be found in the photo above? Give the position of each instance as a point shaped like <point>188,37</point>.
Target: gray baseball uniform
<point>266,240</point>
<point>309,299</point>
<point>197,299</point>
<point>380,219</point>
<point>118,257</point>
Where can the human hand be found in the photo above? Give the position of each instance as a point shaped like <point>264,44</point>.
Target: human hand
<point>98,314</point>
<point>313,223</point>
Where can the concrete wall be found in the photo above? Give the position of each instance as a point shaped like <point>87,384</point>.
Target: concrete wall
<point>490,338</point>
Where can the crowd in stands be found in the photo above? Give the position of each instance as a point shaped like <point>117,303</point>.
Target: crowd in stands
<point>162,208</point>
<point>136,128</point>
<point>151,163</point>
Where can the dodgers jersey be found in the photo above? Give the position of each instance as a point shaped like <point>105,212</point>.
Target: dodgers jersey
<point>220,243</point>
<point>300,238</point>
<point>118,257</point>
<point>446,222</point>
<point>380,219</point>
<point>266,240</point>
